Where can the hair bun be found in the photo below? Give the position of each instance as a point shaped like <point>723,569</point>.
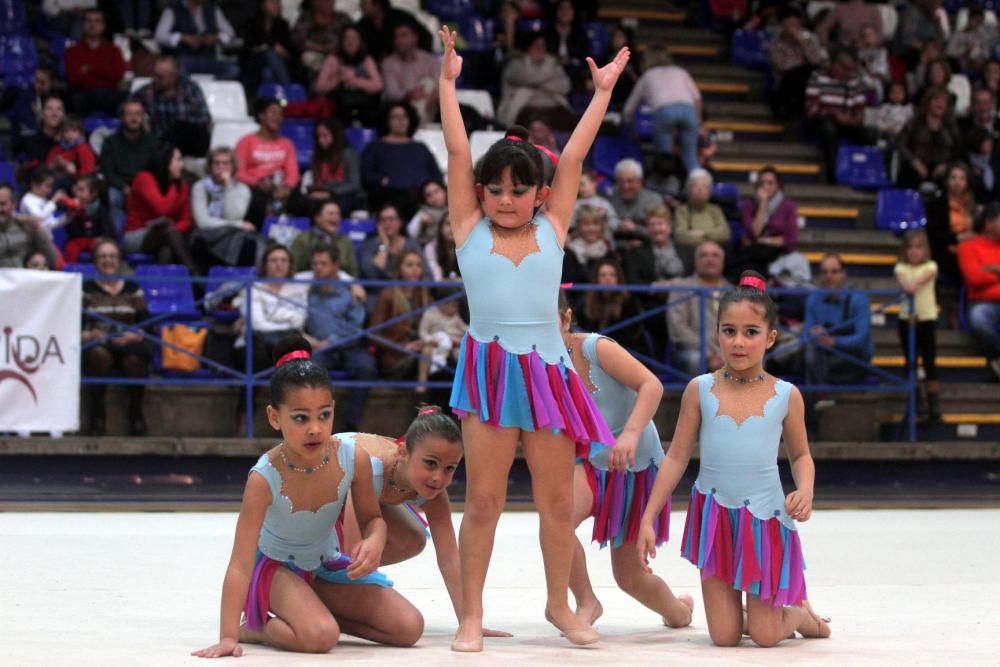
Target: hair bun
<point>753,280</point>
<point>290,348</point>
<point>428,410</point>
<point>516,132</point>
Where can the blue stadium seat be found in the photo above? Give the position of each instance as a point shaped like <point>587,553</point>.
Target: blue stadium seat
<point>726,192</point>
<point>167,290</point>
<point>18,59</point>
<point>861,167</point>
<point>139,259</point>
<point>357,229</point>
<point>477,33</point>
<point>749,49</point>
<point>86,269</point>
<point>609,149</point>
<point>898,210</point>
<point>597,38</point>
<point>58,45</point>
<point>8,174</point>
<point>99,120</point>
<point>450,10</point>
<point>218,277</point>
<point>359,137</point>
<point>301,133</point>
<point>13,20</point>
<point>642,123</point>
<point>284,229</point>
<point>528,25</point>
<point>290,93</point>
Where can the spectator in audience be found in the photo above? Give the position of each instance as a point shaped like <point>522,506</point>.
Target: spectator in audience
<point>66,16</point>
<point>352,80</point>
<point>984,164</point>
<point>894,113</point>
<point>122,349</point>
<point>793,53</point>
<point>335,316</point>
<point>316,32</point>
<point>37,261</point>
<point>937,74</point>
<point>916,274</point>
<point>35,147</point>
<point>684,314</point>
<point>136,17</point>
<point>195,30</point>
<point>979,258</point>
<point>918,25</point>
<point>534,82</point>
<point>267,162</point>
<point>426,222</point>
<point>382,253</point>
<point>440,254</point>
<point>177,110</point>
<point>951,218</point>
<point>698,219</point>
<point>928,142</point>
<point>991,76</point>
<point>325,231</point>
<point>72,156</point>
<point>378,27</point>
<point>982,114</point>
<point>87,219</point>
<point>631,200</point>
<point>587,245</point>
<point>219,206</point>
<point>40,205</point>
<point>158,211</point>
<point>835,108</point>
<point>267,52</point>
<point>395,166</point>
<point>567,40</point>
<point>441,329</point>
<point>770,224</point>
<point>620,37</point>
<point>873,58</point>
<point>837,329</point>
<point>393,302</point>
<point>541,134</point>
<point>674,101</point>
<point>123,155</point>
<point>336,169</point>
<point>18,238</point>
<point>23,104</point>
<point>605,308</point>
<point>843,24</point>
<point>411,74</point>
<point>94,69</point>
<point>588,196</point>
<point>972,45</point>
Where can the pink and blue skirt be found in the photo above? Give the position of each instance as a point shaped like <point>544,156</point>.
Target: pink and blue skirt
<point>762,557</point>
<point>258,602</point>
<point>522,391</point>
<point>620,498</point>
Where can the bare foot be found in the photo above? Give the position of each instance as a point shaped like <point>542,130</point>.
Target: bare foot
<point>572,627</point>
<point>590,611</point>
<point>469,637</point>
<point>813,626</point>
<point>683,613</point>
<point>248,636</point>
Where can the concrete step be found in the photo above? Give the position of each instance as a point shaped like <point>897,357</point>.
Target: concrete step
<point>764,150</point>
<point>950,343</point>
<point>819,194</point>
<point>751,110</point>
<point>715,90</point>
<point>849,241</point>
<point>790,169</point>
<point>730,128</point>
<point>651,13</point>
<point>722,71</point>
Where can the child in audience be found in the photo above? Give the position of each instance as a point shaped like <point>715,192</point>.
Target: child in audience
<point>873,60</point>
<point>441,329</point>
<point>916,273</point>
<point>39,204</point>
<point>72,156</point>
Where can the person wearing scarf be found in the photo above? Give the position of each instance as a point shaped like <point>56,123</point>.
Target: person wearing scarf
<point>219,204</point>
<point>770,225</point>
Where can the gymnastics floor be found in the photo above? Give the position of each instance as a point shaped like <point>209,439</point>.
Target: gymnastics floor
<point>903,587</point>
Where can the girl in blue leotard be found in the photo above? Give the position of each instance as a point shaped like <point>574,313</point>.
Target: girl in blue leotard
<point>613,486</point>
<point>514,380</point>
<point>740,529</point>
<point>287,575</point>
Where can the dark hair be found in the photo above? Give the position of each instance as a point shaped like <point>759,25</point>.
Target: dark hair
<point>322,204</point>
<point>4,185</point>
<point>431,420</point>
<point>447,257</point>
<point>271,249</point>
<point>384,207</point>
<point>768,169</point>
<point>991,212</point>
<point>334,155</point>
<point>92,182</point>
<point>40,175</point>
<point>330,250</point>
<point>297,373</point>
<point>73,122</point>
<point>159,166</point>
<point>262,104</point>
<point>789,12</point>
<point>974,138</point>
<point>383,118</point>
<point>758,298</point>
<point>345,57</point>
<point>526,164</point>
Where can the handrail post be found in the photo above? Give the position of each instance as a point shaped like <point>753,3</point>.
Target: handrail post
<point>911,355</point>
<point>248,357</point>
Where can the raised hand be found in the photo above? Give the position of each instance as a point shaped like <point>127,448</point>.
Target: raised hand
<point>606,77</point>
<point>798,504</point>
<point>451,62</point>
<point>226,646</point>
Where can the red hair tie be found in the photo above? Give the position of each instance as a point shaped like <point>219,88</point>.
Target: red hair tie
<point>565,285</point>
<point>292,356</point>
<point>548,153</point>
<point>753,281</point>
<point>428,411</point>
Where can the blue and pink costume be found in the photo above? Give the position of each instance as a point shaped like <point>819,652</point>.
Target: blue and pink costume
<point>305,542</point>
<point>737,529</point>
<point>513,368</point>
<point>620,498</point>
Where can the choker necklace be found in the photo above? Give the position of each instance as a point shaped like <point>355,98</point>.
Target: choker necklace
<point>738,380</point>
<point>392,480</point>
<point>308,469</point>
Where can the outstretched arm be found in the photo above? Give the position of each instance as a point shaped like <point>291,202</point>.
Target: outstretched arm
<point>625,368</point>
<point>566,182</point>
<point>463,204</point>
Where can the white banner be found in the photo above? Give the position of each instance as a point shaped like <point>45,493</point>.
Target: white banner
<point>39,350</point>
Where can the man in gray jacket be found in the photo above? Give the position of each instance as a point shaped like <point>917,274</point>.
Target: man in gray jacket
<point>19,239</point>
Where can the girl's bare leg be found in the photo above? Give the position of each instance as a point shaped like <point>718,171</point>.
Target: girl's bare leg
<point>489,454</point>
<point>724,612</point>
<point>301,623</point>
<point>768,625</point>
<point>371,612</point>
<point>649,589</point>
<point>588,607</point>
<point>550,460</point>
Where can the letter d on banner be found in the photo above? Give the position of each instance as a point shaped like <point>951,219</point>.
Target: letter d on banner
<point>39,350</point>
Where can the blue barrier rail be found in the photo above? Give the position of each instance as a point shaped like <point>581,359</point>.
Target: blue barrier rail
<point>673,378</point>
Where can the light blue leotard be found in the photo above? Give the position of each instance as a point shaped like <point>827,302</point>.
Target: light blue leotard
<point>378,470</point>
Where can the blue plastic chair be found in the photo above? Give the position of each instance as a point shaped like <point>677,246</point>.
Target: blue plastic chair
<point>749,49</point>
<point>861,167</point>
<point>450,10</point>
<point>218,277</point>
<point>301,133</point>
<point>99,120</point>
<point>8,174</point>
<point>642,123</point>
<point>477,33</point>
<point>284,229</point>
<point>597,38</point>
<point>529,25</point>
<point>609,150</point>
<point>58,45</point>
<point>12,17</point>
<point>359,137</point>
<point>726,192</point>
<point>898,210</point>
<point>167,290</point>
<point>18,59</point>
<point>290,93</point>
<point>86,269</point>
<point>357,229</point>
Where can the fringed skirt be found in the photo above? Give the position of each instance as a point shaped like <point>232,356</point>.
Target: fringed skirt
<point>258,602</point>
<point>759,556</point>
<point>620,498</point>
<point>504,389</point>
